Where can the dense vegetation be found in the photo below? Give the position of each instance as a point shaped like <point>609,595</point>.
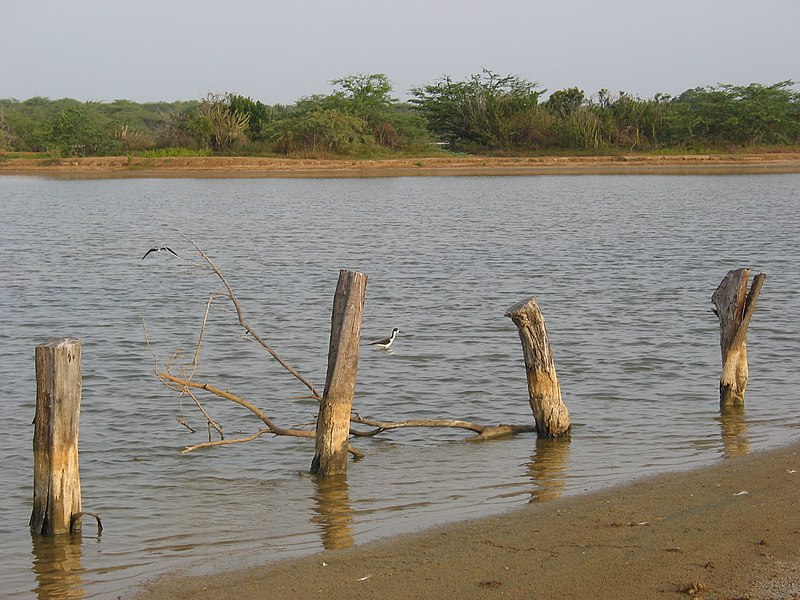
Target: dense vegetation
<point>486,113</point>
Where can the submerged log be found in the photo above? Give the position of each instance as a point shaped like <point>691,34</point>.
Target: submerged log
<point>734,307</point>
<point>333,422</point>
<point>56,480</point>
<point>544,392</point>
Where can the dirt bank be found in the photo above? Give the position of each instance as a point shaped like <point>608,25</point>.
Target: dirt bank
<point>123,166</point>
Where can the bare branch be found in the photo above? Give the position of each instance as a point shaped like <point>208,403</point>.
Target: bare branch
<point>196,359</point>
<point>240,316</point>
<point>185,424</point>
<point>249,438</point>
<point>211,422</point>
<point>384,425</point>
<point>185,384</point>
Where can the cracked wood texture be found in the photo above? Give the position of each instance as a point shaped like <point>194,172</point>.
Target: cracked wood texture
<point>56,479</point>
<point>734,306</point>
<point>544,393</point>
<point>333,421</point>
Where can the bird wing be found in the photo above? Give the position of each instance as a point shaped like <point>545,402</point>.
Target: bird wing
<point>149,251</point>
<point>171,250</point>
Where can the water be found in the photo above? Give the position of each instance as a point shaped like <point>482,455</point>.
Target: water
<point>623,268</point>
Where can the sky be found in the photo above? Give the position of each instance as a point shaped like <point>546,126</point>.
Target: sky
<point>279,52</point>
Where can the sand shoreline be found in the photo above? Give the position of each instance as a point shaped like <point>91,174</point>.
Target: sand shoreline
<point>730,530</point>
<point>123,166</point>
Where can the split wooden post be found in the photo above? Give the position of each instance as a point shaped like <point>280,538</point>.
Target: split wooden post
<point>734,307</point>
<point>333,422</point>
<point>549,411</point>
<point>56,480</point>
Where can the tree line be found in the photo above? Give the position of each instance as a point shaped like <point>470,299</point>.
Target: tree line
<point>486,113</point>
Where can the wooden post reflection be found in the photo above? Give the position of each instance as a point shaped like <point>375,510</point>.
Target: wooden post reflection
<point>547,468</point>
<point>733,427</point>
<point>57,567</point>
<point>333,510</point>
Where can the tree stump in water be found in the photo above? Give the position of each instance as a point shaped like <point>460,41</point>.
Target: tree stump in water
<point>734,306</point>
<point>333,422</point>
<point>544,392</point>
<point>56,479</point>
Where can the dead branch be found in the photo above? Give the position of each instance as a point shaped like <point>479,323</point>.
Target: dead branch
<point>196,358</point>
<point>381,426</point>
<point>240,316</point>
<point>185,424</point>
<point>185,384</point>
<point>211,422</point>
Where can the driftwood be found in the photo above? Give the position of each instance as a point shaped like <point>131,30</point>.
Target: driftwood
<point>734,307</point>
<point>182,379</point>
<point>333,422</point>
<point>544,392</point>
<point>56,477</point>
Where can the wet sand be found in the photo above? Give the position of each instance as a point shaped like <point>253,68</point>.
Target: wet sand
<point>728,531</point>
<point>123,166</point>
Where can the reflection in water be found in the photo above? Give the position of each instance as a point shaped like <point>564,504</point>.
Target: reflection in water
<point>57,566</point>
<point>547,468</point>
<point>733,426</point>
<point>333,512</point>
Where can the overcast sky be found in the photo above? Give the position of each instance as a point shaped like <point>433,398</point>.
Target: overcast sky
<point>280,51</point>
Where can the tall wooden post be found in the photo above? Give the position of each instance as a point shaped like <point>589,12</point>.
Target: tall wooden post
<point>333,422</point>
<point>734,306</point>
<point>56,480</point>
<point>549,411</point>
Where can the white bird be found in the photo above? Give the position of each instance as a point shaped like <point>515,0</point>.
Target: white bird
<point>159,249</point>
<point>387,342</point>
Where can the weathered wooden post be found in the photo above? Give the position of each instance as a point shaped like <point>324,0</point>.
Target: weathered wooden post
<point>56,480</point>
<point>333,422</point>
<point>734,307</point>
<point>549,411</point>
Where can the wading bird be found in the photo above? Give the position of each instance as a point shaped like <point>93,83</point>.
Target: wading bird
<point>386,343</point>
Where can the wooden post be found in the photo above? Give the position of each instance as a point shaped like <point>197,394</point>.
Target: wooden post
<point>56,480</point>
<point>734,307</point>
<point>549,412</point>
<point>333,422</point>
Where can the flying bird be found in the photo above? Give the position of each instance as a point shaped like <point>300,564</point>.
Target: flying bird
<point>159,249</point>
<point>387,342</point>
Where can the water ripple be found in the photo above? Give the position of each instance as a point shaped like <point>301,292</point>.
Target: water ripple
<point>623,268</point>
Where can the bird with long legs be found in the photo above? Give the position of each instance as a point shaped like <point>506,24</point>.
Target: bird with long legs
<point>386,343</point>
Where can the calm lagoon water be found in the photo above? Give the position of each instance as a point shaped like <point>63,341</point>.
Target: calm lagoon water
<point>623,268</point>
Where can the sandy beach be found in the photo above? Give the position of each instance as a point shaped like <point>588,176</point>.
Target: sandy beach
<point>123,166</point>
<point>728,531</point>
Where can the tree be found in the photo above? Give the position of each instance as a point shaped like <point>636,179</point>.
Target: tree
<point>566,102</point>
<point>6,134</point>
<point>225,124</point>
<point>486,111</point>
<point>367,96</point>
<point>319,132</point>
<point>259,115</point>
<point>737,115</point>
<point>79,131</point>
